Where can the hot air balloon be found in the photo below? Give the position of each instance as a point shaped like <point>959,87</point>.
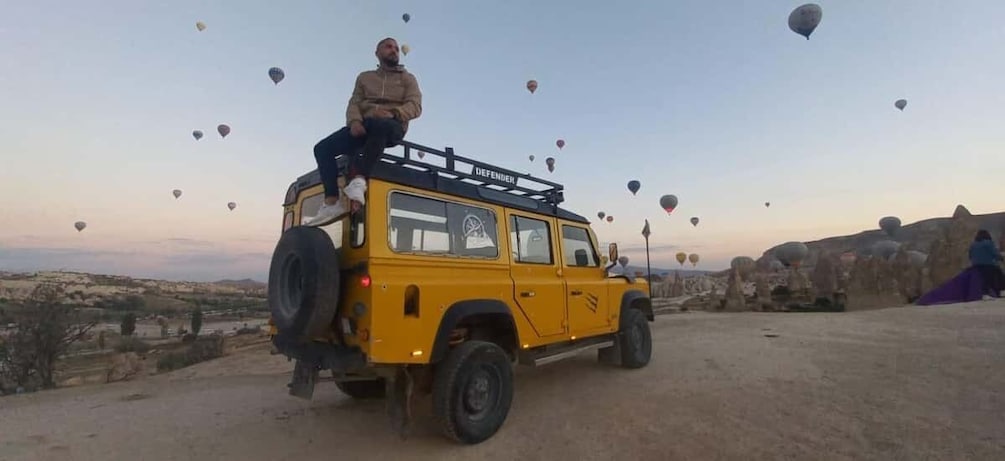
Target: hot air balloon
<point>276,74</point>
<point>176,193</point>
<point>681,257</point>
<point>223,129</point>
<point>693,257</point>
<point>805,19</point>
<point>623,260</point>
<point>889,224</point>
<point>694,221</point>
<point>767,204</point>
<point>201,26</point>
<point>532,86</point>
<point>197,134</point>
<point>634,186</point>
<point>601,214</point>
<point>406,17</point>
<point>531,157</point>
<point>885,249</point>
<point>743,265</point>
<point>792,253</point>
<point>668,202</point>
<point>560,143</point>
<point>405,49</point>
<point>80,225</point>
<point>551,163</point>
<point>231,205</point>
<point>610,219</point>
<point>900,104</point>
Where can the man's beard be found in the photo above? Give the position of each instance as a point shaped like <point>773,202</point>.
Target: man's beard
<point>390,62</point>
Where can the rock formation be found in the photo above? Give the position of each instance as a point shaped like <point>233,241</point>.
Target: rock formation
<point>948,253</point>
<point>734,292</point>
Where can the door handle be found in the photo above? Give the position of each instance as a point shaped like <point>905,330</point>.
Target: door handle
<point>575,292</point>
<point>527,294</point>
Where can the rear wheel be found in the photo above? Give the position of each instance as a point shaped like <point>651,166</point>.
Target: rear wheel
<point>362,390</point>
<point>472,391</point>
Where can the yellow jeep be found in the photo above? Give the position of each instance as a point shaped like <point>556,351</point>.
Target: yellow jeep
<point>453,272</point>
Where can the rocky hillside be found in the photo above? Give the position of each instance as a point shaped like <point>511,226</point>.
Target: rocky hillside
<point>118,293</point>
<point>919,235</point>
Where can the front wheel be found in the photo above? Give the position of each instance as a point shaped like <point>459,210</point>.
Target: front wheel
<point>634,339</point>
<point>472,391</point>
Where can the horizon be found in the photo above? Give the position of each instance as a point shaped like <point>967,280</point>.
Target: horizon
<point>720,104</point>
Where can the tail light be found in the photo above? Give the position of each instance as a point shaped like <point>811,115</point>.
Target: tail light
<point>365,281</point>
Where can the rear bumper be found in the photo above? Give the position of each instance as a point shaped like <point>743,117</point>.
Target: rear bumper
<point>323,356</point>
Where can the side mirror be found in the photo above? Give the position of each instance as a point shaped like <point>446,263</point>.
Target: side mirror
<point>612,252</point>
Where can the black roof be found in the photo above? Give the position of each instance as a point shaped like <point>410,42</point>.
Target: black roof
<point>477,181</point>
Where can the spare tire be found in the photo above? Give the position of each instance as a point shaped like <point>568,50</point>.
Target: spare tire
<point>303,285</point>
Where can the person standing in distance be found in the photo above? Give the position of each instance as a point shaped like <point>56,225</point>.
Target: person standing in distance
<point>382,103</point>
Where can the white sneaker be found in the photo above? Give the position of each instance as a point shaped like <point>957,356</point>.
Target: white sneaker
<point>356,190</point>
<point>326,214</point>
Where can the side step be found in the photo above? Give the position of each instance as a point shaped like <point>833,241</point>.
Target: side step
<point>554,353</point>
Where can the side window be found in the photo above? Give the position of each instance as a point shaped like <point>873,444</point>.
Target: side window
<point>530,240</point>
<point>577,247</point>
<point>425,225</point>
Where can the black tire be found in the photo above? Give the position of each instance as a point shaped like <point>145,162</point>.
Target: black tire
<point>303,284</point>
<point>362,390</point>
<point>634,339</point>
<point>472,391</point>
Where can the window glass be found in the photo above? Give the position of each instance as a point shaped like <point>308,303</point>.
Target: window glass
<point>426,225</point>
<point>530,240</point>
<point>578,248</point>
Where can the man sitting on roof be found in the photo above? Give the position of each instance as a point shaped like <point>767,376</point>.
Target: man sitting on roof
<point>382,103</point>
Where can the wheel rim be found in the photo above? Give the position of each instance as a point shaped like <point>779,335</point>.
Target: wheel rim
<point>480,395</point>
<point>291,286</point>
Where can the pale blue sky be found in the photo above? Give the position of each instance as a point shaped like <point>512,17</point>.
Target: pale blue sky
<point>716,102</point>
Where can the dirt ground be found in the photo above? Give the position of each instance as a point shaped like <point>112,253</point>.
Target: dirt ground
<point>900,383</point>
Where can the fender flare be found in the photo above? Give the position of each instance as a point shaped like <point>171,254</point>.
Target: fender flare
<point>637,297</point>
<point>458,312</point>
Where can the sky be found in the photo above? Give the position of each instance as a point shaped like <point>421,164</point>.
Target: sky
<point>718,103</point>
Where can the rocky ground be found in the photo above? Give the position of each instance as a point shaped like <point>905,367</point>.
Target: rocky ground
<point>900,383</point>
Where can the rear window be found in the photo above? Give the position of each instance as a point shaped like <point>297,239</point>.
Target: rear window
<point>310,207</point>
<point>430,226</point>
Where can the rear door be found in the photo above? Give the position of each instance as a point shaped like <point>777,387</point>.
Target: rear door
<point>537,284</point>
<point>586,282</point>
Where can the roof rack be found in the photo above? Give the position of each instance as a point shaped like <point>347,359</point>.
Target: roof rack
<point>480,173</point>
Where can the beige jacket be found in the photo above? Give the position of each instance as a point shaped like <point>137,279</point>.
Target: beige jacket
<point>393,89</point>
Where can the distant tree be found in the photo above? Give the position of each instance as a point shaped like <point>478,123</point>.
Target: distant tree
<point>134,303</point>
<point>196,321</point>
<point>45,330</point>
<point>101,341</point>
<point>128,325</point>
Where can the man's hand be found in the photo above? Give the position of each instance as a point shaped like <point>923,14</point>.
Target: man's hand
<point>382,113</point>
<point>357,130</point>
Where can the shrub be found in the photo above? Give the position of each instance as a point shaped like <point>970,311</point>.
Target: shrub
<point>203,349</point>
<point>132,344</point>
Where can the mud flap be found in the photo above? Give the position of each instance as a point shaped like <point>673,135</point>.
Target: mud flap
<point>399,401</point>
<point>305,376</point>
<point>611,355</point>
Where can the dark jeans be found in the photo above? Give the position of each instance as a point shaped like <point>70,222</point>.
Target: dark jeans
<point>363,152</point>
<point>994,279</point>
